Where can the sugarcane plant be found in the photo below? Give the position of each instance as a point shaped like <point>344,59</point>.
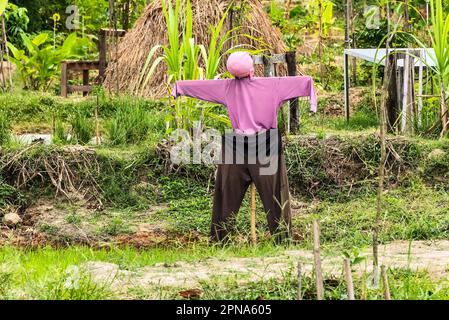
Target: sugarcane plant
<point>438,33</point>
<point>187,60</point>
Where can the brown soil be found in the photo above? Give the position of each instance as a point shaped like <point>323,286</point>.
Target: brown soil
<point>46,223</point>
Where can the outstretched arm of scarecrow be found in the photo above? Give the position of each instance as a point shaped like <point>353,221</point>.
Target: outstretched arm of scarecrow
<point>207,90</point>
<point>294,87</point>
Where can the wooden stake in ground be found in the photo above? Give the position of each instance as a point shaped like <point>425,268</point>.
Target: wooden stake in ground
<point>253,214</point>
<point>299,297</point>
<point>348,279</point>
<point>317,259</point>
<point>97,124</point>
<point>383,272</point>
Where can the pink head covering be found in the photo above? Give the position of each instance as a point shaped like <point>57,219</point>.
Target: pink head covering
<point>240,64</point>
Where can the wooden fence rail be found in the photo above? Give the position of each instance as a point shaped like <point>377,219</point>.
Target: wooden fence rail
<point>68,67</point>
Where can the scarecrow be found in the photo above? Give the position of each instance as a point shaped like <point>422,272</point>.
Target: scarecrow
<point>252,105</point>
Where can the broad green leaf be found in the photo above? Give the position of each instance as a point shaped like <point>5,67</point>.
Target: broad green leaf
<point>40,39</point>
<point>27,42</point>
<point>3,4</point>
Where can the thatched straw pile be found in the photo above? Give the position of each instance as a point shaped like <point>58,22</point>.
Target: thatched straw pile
<point>149,30</point>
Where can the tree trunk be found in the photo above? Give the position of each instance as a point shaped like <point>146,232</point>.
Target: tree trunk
<point>406,17</point>
<point>392,97</point>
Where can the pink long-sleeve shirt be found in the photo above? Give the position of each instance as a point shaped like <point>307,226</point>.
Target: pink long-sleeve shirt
<point>252,102</point>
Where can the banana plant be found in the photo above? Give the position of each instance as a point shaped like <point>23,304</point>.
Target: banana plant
<point>39,64</point>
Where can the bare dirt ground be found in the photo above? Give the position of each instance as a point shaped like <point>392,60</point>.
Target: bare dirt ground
<point>430,256</point>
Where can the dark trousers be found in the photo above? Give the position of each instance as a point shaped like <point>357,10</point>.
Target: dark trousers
<point>231,184</point>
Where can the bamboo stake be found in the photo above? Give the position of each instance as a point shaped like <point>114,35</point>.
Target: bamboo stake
<point>405,95</point>
<point>317,259</point>
<point>299,281</point>
<point>348,278</point>
<point>97,125</point>
<point>383,271</point>
<point>253,214</point>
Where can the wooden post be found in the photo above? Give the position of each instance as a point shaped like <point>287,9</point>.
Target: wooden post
<point>317,259</point>
<point>392,99</point>
<point>97,123</point>
<point>405,115</point>
<point>126,14</point>
<point>268,66</point>
<point>290,58</point>
<point>85,81</point>
<point>346,57</point>
<point>299,297</point>
<point>253,215</point>
<point>102,49</point>
<point>408,94</point>
<point>347,84</point>
<point>406,17</point>
<point>64,79</point>
<point>386,287</point>
<point>420,84</point>
<point>348,278</point>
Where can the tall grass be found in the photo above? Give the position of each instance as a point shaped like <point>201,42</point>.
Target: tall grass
<point>61,286</point>
<point>131,123</point>
<point>59,134</point>
<point>82,127</point>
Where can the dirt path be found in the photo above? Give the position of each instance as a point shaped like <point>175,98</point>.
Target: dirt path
<point>431,256</point>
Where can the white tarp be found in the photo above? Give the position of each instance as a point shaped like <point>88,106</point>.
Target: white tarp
<point>378,55</point>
